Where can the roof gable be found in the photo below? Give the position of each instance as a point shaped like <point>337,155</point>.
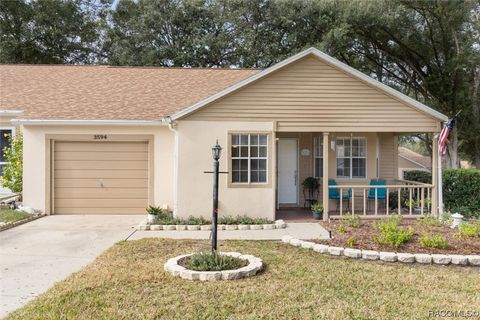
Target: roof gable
<point>328,60</point>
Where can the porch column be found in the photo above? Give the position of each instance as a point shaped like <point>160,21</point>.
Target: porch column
<point>325,176</point>
<point>434,193</point>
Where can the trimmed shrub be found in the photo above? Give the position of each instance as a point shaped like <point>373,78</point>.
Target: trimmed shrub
<point>418,175</point>
<point>461,189</point>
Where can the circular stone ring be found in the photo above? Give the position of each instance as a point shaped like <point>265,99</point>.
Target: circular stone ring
<point>174,266</point>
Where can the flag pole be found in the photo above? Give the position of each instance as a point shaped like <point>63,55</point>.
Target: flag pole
<point>440,183</point>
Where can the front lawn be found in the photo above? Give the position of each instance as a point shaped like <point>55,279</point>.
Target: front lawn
<point>128,282</point>
<point>9,215</point>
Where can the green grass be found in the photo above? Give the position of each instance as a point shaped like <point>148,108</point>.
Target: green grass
<point>208,261</point>
<point>9,215</point>
<point>128,282</point>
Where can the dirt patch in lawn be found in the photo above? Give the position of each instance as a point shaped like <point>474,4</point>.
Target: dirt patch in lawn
<point>365,233</point>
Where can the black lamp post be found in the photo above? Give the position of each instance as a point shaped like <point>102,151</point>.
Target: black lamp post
<point>216,151</point>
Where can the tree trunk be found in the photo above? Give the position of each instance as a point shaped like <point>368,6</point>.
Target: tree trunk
<point>476,115</point>
<point>476,160</point>
<point>454,161</point>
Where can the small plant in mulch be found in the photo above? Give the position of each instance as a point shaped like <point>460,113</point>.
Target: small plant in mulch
<point>352,241</point>
<point>394,218</point>
<point>208,261</point>
<point>391,234</point>
<point>429,221</point>
<point>353,220</point>
<point>469,229</point>
<point>436,241</point>
<point>342,228</point>
<point>446,218</point>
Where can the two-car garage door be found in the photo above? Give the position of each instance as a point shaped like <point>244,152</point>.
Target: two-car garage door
<point>100,177</point>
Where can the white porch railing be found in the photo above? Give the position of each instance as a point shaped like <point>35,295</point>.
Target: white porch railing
<point>413,198</point>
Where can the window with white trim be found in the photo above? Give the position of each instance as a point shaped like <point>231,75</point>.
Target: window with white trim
<point>249,158</point>
<point>6,134</point>
<point>318,157</point>
<point>351,157</point>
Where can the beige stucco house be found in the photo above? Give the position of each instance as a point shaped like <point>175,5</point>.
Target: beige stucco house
<point>112,140</point>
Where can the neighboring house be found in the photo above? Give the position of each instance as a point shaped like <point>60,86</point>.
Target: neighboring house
<point>112,140</point>
<point>409,160</point>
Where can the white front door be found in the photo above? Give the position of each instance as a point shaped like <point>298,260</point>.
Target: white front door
<point>287,171</point>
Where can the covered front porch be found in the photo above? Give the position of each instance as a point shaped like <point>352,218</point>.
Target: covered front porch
<point>347,172</point>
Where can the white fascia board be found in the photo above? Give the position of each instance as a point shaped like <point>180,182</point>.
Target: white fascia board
<point>10,113</point>
<point>46,122</point>
<point>329,60</point>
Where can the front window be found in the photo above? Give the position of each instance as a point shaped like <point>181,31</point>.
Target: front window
<point>351,157</point>
<point>318,157</point>
<point>249,158</point>
<point>5,142</point>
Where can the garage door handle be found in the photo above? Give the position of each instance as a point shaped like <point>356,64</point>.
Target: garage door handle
<point>101,183</point>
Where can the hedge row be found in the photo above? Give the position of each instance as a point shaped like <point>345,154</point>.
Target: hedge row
<point>461,189</point>
<point>418,175</point>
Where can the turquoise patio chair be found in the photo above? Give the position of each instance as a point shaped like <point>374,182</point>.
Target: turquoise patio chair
<point>381,192</point>
<point>334,194</point>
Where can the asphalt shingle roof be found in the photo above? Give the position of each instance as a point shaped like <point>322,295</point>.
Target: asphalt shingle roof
<point>108,93</point>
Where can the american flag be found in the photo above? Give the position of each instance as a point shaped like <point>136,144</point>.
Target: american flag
<point>442,141</point>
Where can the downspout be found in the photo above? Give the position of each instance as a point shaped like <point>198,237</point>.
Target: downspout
<point>172,127</point>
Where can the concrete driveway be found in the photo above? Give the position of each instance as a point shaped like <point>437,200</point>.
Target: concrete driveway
<point>36,255</point>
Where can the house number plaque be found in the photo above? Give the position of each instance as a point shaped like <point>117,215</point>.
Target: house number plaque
<point>99,137</point>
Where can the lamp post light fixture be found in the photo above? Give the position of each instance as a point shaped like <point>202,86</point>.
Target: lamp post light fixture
<point>216,152</point>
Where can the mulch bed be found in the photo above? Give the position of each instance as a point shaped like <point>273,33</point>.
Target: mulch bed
<point>364,238</point>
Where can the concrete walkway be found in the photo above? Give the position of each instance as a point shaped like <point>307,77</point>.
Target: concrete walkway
<point>304,231</point>
<point>36,255</point>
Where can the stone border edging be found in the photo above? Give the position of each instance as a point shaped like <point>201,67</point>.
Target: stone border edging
<point>254,265</point>
<point>423,258</point>
<point>20,222</point>
<point>278,224</point>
